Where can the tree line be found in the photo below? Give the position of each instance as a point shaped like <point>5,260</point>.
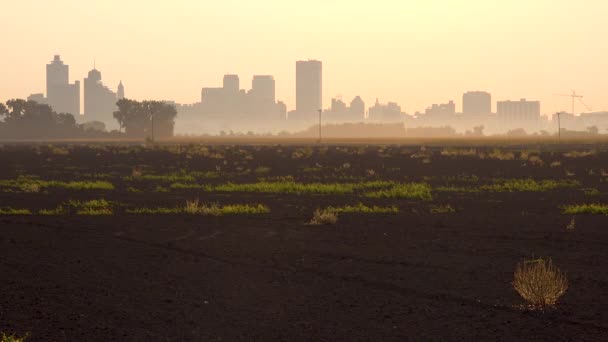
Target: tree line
<point>21,119</point>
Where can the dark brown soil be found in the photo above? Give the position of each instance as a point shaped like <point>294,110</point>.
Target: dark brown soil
<point>371,277</point>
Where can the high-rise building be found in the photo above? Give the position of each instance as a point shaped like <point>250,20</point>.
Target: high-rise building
<point>309,86</point>
<point>62,96</point>
<point>518,113</point>
<point>99,100</point>
<point>263,89</point>
<point>477,103</point>
<point>231,84</point>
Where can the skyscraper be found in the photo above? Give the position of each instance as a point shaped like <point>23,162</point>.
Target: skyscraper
<point>62,96</point>
<point>231,84</point>
<point>263,89</point>
<point>99,100</point>
<point>309,87</point>
<point>476,103</point>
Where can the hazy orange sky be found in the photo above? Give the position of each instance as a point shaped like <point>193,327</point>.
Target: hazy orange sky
<point>413,52</point>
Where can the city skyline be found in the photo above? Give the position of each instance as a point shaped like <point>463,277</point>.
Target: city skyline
<point>418,55</point>
<point>231,107</point>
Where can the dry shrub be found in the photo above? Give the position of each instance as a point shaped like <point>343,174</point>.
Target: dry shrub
<point>500,155</point>
<point>580,154</point>
<point>572,225</point>
<point>13,338</point>
<point>323,217</point>
<point>539,282</point>
<point>536,161</point>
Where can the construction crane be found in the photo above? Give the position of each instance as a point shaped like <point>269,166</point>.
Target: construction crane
<point>575,97</point>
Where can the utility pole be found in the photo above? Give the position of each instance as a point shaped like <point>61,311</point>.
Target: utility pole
<point>559,126</point>
<point>320,113</point>
<point>152,117</point>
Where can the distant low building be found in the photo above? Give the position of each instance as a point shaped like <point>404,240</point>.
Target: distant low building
<point>340,112</point>
<point>390,112</point>
<point>518,114</point>
<point>38,98</point>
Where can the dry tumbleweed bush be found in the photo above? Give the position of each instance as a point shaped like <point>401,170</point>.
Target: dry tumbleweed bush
<point>323,217</point>
<point>539,282</point>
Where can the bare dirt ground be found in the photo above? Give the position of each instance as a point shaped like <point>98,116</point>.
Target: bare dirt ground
<point>411,276</point>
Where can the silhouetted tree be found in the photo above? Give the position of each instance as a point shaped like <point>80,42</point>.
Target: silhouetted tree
<point>517,132</point>
<point>593,130</point>
<point>146,118</point>
<point>28,119</point>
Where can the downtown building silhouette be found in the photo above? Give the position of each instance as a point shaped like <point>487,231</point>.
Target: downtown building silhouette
<point>61,95</point>
<point>309,91</point>
<point>99,100</point>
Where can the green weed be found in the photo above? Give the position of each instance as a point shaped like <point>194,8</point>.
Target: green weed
<point>92,207</point>
<point>420,191</point>
<point>197,208</point>
<point>14,212</point>
<point>361,208</point>
<point>596,209</point>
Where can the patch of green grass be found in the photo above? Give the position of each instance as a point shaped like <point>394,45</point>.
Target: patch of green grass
<point>178,177</point>
<point>32,184</point>
<point>188,186</point>
<point>197,208</point>
<point>133,190</point>
<point>82,185</point>
<point>286,187</point>
<point>361,208</point>
<point>262,170</point>
<point>420,191</point>
<point>60,210</point>
<point>596,209</point>
<point>154,211</point>
<point>14,212</point>
<point>514,185</point>
<point>92,208</point>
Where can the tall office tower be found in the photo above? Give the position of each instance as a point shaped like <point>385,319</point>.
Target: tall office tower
<point>99,100</point>
<point>231,84</point>
<point>263,89</point>
<point>121,91</point>
<point>309,86</point>
<point>62,96</point>
<point>477,103</point>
